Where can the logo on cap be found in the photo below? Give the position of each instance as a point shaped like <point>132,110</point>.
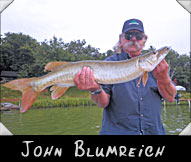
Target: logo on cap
<point>133,22</point>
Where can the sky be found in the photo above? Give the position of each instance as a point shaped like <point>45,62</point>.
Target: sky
<point>99,22</point>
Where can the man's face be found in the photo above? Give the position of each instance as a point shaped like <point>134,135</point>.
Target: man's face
<point>133,42</point>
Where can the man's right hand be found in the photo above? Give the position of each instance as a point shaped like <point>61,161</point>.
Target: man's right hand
<point>84,80</point>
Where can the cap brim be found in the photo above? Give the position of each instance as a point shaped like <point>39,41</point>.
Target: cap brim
<point>133,28</point>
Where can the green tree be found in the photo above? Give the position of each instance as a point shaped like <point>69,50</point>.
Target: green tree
<point>82,52</point>
<point>179,68</point>
<point>17,50</point>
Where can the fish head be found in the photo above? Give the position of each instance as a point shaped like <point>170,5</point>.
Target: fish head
<point>161,54</point>
<point>148,61</point>
<point>151,59</point>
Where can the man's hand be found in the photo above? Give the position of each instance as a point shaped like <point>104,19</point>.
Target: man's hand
<point>166,88</point>
<point>161,72</point>
<point>84,80</point>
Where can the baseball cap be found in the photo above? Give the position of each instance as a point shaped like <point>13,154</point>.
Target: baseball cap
<point>133,24</point>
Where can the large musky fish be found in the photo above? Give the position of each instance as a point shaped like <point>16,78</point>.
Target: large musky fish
<point>106,72</point>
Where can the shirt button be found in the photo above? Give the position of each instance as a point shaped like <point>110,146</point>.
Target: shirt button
<point>141,98</point>
<point>142,115</point>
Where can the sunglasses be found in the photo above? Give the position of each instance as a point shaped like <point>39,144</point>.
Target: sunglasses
<point>129,35</point>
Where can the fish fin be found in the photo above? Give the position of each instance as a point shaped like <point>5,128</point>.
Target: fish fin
<point>57,91</point>
<point>145,78</point>
<point>139,81</point>
<point>28,98</point>
<point>53,65</point>
<point>28,94</point>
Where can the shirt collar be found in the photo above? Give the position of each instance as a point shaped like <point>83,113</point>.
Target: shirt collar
<point>124,55</point>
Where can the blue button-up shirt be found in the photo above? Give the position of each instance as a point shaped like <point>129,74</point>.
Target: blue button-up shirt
<point>132,110</point>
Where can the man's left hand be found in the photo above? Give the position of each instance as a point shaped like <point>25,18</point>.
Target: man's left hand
<point>161,71</point>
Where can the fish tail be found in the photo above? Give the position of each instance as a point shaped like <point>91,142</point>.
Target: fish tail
<point>28,94</point>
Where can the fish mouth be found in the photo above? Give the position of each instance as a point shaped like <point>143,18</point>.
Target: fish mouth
<point>161,53</point>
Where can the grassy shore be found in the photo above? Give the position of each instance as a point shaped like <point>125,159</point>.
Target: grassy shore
<point>72,97</point>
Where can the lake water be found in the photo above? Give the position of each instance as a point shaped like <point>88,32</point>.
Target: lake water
<point>80,120</point>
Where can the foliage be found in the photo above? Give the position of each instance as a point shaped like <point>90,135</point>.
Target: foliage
<point>23,54</point>
<point>72,98</point>
<point>17,52</point>
<point>67,102</point>
<point>179,68</point>
<point>72,92</point>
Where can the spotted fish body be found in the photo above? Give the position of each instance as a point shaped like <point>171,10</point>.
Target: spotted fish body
<point>105,72</point>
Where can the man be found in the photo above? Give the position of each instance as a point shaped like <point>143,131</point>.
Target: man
<point>128,108</point>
